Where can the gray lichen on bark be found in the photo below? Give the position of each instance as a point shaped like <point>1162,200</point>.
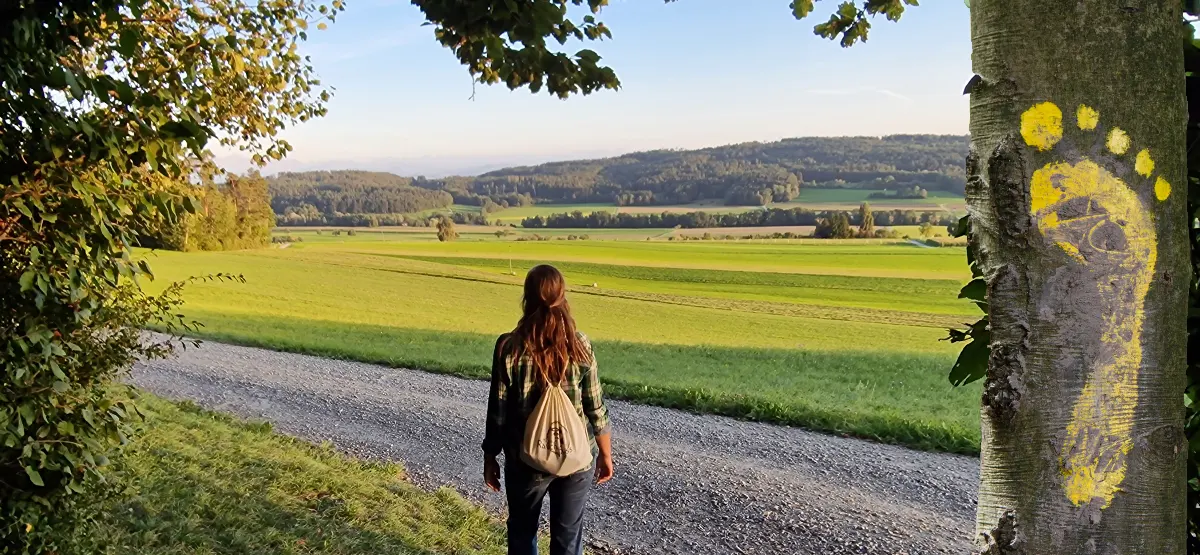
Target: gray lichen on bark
<point>1005,538</point>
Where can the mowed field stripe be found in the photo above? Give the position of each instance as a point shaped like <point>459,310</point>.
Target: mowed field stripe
<point>808,311</point>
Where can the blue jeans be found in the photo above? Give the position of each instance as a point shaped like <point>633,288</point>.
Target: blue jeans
<point>526,489</point>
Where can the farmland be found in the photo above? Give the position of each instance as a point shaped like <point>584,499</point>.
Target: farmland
<point>841,336</point>
<point>812,199</point>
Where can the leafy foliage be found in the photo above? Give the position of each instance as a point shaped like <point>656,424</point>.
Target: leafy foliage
<point>509,42</point>
<point>973,359</point>
<point>851,23</point>
<point>1192,393</point>
<point>445,229</point>
<point>834,226</point>
<point>104,104</point>
<point>866,220</point>
<point>235,214</point>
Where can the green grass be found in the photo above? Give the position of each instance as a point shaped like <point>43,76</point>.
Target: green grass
<point>345,286</point>
<point>900,259</point>
<point>892,397</point>
<point>668,344</point>
<point>196,482</point>
<point>811,196</point>
<point>917,295</point>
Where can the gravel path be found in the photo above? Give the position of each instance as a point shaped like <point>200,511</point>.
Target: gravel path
<point>685,483</point>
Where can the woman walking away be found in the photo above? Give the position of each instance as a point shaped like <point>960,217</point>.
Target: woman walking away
<point>546,413</point>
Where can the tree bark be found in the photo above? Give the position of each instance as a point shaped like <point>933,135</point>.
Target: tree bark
<point>1076,191</point>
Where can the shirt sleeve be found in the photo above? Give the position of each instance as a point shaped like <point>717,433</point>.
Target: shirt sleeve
<point>493,440</point>
<point>593,396</point>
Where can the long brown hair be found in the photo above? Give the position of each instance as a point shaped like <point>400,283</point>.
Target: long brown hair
<point>546,331</point>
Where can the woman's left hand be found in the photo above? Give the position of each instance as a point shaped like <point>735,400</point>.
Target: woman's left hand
<point>491,473</point>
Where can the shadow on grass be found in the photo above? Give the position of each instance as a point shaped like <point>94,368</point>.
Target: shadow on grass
<point>199,482</point>
<point>900,398</point>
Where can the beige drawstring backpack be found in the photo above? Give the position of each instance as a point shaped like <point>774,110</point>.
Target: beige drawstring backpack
<point>556,440</point>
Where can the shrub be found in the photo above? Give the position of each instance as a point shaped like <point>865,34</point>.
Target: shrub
<point>351,232</point>
<point>106,104</point>
<point>445,229</point>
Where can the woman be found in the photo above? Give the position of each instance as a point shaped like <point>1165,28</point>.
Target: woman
<point>543,349</point>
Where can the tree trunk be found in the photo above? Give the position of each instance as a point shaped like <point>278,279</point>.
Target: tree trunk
<point>1077,194</point>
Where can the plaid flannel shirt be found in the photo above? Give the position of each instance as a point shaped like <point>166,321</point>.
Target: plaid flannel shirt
<point>515,392</point>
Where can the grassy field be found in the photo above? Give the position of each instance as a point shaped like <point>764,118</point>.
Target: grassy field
<point>813,199</point>
<point>848,258</point>
<point>516,214</point>
<point>196,482</point>
<point>810,196</point>
<point>840,336</point>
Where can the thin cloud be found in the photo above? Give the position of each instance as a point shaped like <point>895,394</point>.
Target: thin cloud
<point>859,90</point>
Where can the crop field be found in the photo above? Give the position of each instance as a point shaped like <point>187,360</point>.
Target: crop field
<point>841,336</point>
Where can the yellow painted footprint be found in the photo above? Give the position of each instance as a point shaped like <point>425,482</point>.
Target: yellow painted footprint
<point>1099,220</point>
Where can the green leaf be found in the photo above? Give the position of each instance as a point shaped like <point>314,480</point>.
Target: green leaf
<point>22,208</point>
<point>73,84</point>
<point>963,226</point>
<point>976,290</point>
<point>34,476</point>
<point>127,44</point>
<point>26,280</point>
<point>66,428</point>
<point>801,8</point>
<point>972,362</point>
<point>125,93</point>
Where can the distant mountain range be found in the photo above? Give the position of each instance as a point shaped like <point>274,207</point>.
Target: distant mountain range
<point>741,174</point>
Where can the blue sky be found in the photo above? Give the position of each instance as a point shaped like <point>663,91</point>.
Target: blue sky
<point>695,73</point>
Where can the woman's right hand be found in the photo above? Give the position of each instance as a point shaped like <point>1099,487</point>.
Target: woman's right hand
<point>604,469</point>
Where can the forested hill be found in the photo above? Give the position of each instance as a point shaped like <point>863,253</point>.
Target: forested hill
<point>350,192</point>
<point>741,174</point>
<point>748,173</point>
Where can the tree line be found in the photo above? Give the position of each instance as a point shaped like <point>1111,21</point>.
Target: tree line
<point>351,192</point>
<point>754,218</point>
<point>309,216</point>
